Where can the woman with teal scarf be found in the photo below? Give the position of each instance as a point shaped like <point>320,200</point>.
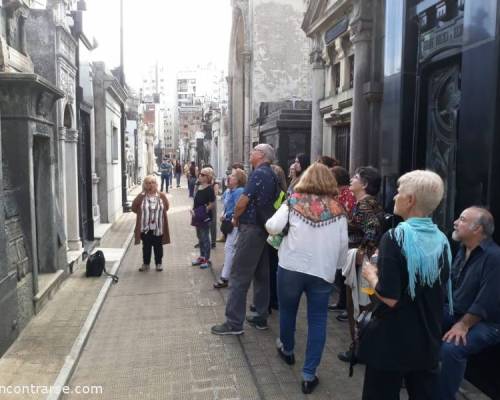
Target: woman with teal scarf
<point>411,281</point>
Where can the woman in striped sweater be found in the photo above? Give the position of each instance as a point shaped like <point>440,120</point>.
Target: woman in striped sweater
<point>151,224</point>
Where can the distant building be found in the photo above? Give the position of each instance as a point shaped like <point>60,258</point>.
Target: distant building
<point>347,72</point>
<point>268,61</point>
<point>109,95</point>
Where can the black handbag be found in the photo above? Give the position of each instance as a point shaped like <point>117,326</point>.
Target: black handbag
<point>362,323</point>
<point>226,227</point>
<point>96,266</point>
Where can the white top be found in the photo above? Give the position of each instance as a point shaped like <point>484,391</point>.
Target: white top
<point>308,249</point>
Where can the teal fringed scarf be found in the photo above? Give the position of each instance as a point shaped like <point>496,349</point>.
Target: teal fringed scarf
<point>423,245</point>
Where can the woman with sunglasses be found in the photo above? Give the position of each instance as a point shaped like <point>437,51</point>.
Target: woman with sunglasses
<point>204,200</point>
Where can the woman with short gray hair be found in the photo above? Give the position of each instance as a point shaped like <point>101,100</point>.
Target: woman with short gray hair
<point>402,340</point>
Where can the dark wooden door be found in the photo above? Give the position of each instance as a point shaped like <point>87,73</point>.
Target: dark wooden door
<point>443,105</point>
<point>342,144</point>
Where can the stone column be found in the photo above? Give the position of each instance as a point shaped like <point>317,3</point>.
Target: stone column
<point>318,93</point>
<point>61,144</point>
<point>229,150</point>
<point>72,205</point>
<point>247,142</point>
<point>361,34</point>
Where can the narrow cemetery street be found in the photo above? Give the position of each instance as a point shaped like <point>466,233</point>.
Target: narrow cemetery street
<point>152,338</point>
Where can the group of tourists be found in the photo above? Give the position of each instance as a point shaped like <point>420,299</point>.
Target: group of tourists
<point>167,171</point>
<point>415,314</point>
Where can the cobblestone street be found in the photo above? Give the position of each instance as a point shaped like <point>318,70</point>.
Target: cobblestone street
<point>152,339</point>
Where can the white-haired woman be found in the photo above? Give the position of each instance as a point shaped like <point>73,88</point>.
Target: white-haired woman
<point>151,225</point>
<point>203,204</point>
<point>403,339</point>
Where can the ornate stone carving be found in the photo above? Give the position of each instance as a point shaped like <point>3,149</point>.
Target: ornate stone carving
<point>66,45</point>
<point>316,58</point>
<point>62,133</point>
<point>44,104</point>
<point>71,135</point>
<point>361,21</point>
<point>361,30</point>
<point>67,82</point>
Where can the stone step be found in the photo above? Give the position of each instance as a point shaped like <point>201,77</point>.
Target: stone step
<point>48,285</point>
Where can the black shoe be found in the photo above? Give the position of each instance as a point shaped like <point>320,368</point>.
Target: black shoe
<point>345,356</point>
<point>336,307</point>
<point>309,386</point>
<point>252,308</point>
<point>197,246</point>
<point>258,323</point>
<point>288,358</point>
<point>225,329</point>
<point>213,245</point>
<point>342,317</point>
<point>221,283</point>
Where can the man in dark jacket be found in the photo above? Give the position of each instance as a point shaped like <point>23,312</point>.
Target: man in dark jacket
<point>475,323</point>
<point>251,260</point>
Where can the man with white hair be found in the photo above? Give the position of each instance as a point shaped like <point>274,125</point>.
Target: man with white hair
<point>251,261</point>
<point>475,322</point>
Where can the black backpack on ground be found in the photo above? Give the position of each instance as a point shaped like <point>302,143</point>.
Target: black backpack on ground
<point>96,266</point>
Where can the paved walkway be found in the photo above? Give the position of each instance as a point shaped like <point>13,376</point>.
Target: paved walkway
<point>152,339</point>
<point>39,353</point>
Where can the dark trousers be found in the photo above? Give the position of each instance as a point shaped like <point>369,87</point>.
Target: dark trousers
<point>273,270</point>
<point>454,358</point>
<point>165,178</point>
<point>340,285</point>
<point>151,242</point>
<point>213,225</point>
<point>386,385</point>
<point>250,262</point>
<point>191,183</point>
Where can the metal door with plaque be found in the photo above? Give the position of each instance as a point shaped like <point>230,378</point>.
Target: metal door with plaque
<point>443,104</point>
<point>85,180</point>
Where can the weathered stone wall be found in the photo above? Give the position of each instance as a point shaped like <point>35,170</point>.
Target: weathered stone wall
<point>41,44</point>
<point>18,258</point>
<point>8,278</point>
<point>107,116</point>
<point>114,178</point>
<point>280,56</point>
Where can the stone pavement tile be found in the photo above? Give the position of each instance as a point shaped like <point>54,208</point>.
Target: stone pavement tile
<point>38,354</point>
<point>157,327</point>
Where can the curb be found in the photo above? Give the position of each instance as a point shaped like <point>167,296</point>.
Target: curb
<point>73,357</point>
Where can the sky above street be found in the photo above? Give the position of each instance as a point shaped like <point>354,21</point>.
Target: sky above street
<point>179,33</point>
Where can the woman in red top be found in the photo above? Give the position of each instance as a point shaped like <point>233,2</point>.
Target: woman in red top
<point>346,196</point>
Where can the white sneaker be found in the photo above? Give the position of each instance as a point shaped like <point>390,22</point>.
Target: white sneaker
<point>144,267</point>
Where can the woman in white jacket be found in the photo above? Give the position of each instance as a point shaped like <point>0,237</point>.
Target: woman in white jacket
<point>308,257</point>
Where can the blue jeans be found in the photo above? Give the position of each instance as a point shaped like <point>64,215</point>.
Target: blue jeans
<point>165,178</point>
<point>454,358</point>
<point>291,285</point>
<point>204,241</point>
